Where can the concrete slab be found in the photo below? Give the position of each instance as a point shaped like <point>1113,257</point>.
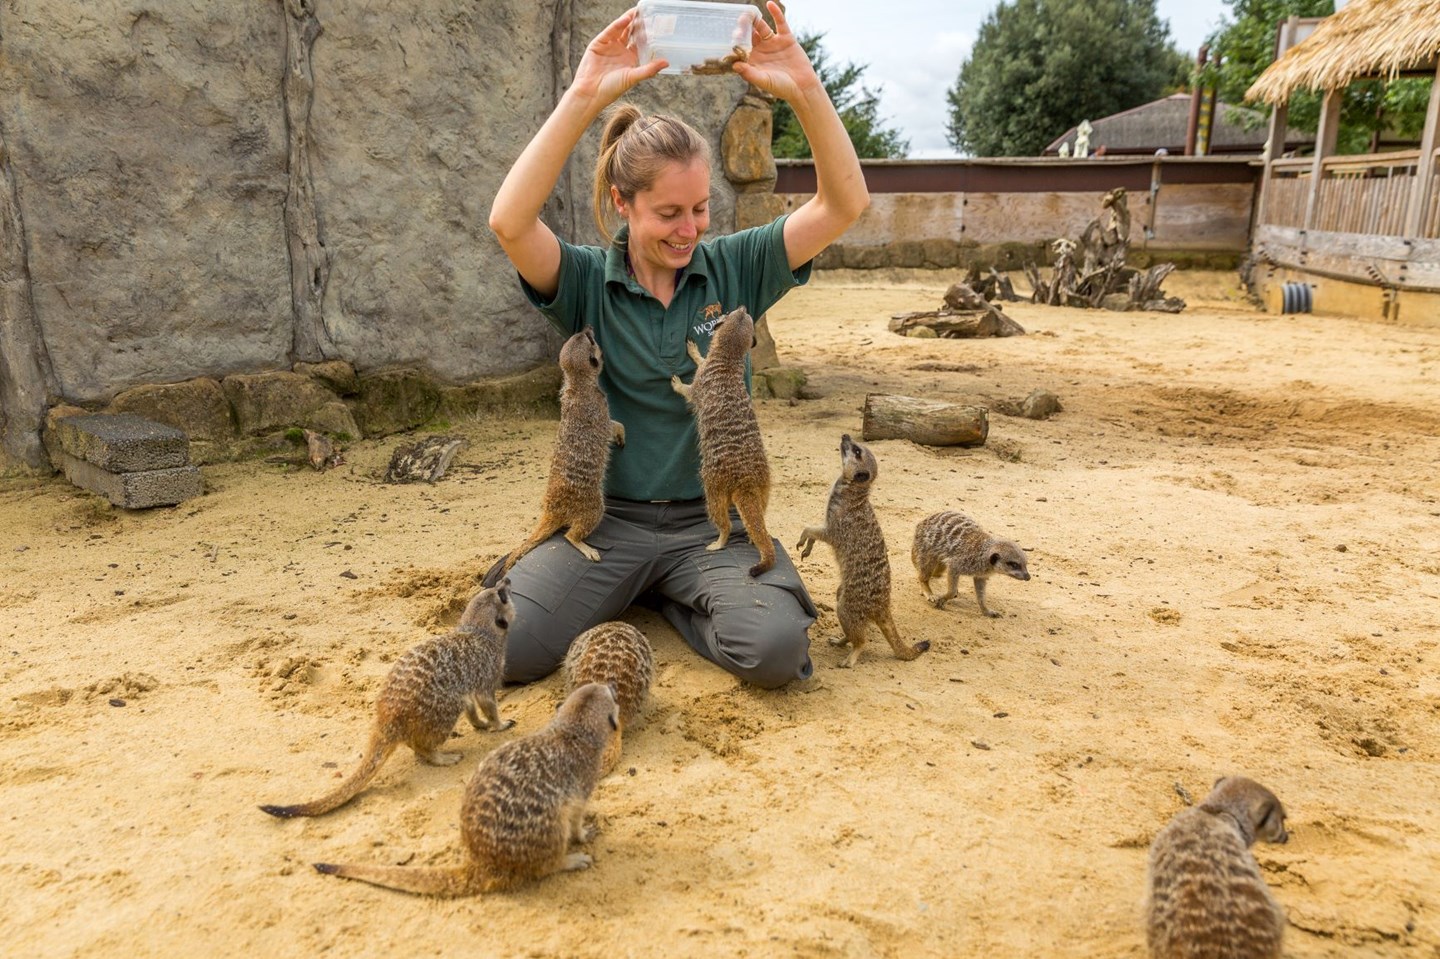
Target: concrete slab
<point>122,442</point>
<point>137,489</point>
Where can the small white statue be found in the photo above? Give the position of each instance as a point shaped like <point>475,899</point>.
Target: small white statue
<point>1065,149</point>
<point>1082,139</point>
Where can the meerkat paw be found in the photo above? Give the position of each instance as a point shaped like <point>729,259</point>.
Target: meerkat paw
<point>990,612</point>
<point>577,860</point>
<point>851,660</point>
<point>438,758</point>
<point>937,601</point>
<point>586,833</point>
<point>588,551</point>
<point>618,431</point>
<point>838,641</point>
<point>500,727</point>
<point>718,544</point>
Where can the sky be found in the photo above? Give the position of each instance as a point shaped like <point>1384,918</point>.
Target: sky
<point>914,49</point>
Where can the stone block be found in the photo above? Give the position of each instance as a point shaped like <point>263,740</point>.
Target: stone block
<point>264,402</point>
<point>335,419</point>
<point>198,407</point>
<point>122,442</point>
<point>535,389</point>
<point>137,489</point>
<point>783,382</point>
<point>392,401</point>
<point>336,374</point>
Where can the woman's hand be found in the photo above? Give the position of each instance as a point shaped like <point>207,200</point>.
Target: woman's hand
<point>610,66</point>
<point>778,64</point>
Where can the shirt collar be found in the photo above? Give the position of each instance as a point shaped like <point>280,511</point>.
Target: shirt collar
<point>617,269</point>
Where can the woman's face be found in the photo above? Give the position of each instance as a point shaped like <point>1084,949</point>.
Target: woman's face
<point>668,219</point>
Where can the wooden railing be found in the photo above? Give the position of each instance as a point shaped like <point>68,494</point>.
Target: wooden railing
<point>1366,194</point>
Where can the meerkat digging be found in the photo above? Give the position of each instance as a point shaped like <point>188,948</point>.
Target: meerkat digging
<point>425,692</point>
<point>618,655</point>
<point>1206,897</point>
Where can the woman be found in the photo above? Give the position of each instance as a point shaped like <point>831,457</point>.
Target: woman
<point>655,286</point>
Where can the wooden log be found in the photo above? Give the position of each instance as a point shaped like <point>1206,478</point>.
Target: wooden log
<point>957,324</point>
<point>928,422</point>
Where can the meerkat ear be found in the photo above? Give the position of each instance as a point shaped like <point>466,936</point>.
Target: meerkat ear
<point>614,718</point>
<point>994,559</point>
<point>862,477</point>
<point>502,622</point>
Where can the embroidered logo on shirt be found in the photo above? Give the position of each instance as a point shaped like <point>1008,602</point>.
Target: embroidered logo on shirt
<point>712,314</point>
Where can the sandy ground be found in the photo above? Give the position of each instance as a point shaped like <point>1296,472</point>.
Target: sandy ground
<point>1236,554</point>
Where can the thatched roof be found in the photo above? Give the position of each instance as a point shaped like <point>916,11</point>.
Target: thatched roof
<point>1365,38</point>
<point>1161,124</point>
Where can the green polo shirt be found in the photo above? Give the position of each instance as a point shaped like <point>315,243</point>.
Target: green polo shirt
<point>644,343</point>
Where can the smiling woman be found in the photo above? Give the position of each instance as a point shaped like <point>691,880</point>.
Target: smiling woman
<point>652,295</point>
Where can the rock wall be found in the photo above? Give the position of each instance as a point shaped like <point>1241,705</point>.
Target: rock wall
<point>197,190</point>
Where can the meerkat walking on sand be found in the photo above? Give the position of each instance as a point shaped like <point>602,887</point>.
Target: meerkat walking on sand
<point>733,468</point>
<point>854,533</point>
<point>618,655</point>
<point>522,808</point>
<point>425,692</point>
<point>955,544</point>
<point>1206,897</point>
<point>574,495</point>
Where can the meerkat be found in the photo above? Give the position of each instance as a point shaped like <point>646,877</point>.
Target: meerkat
<point>1206,897</point>
<point>574,495</point>
<point>954,543</point>
<point>854,533</point>
<point>733,468</point>
<point>522,808</point>
<point>618,655</point>
<point>425,692</point>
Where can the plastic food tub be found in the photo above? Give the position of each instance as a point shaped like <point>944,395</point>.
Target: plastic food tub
<point>695,36</point>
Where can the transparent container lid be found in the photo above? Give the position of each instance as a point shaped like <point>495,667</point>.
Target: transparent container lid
<point>695,36</point>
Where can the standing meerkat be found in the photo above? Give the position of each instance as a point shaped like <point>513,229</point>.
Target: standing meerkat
<point>1206,897</point>
<point>618,655</point>
<point>954,543</point>
<point>574,494</point>
<point>522,808</point>
<point>733,468</point>
<point>425,692</point>
<point>854,533</point>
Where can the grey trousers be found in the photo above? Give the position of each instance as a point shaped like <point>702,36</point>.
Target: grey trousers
<point>754,627</point>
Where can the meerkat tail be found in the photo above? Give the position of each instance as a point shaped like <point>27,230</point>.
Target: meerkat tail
<point>752,513</point>
<point>375,756</point>
<point>543,531</point>
<point>424,881</point>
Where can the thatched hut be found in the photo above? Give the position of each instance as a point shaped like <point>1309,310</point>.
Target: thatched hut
<point>1360,232</point>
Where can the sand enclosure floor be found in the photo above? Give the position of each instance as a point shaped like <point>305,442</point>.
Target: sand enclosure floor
<point>1234,534</point>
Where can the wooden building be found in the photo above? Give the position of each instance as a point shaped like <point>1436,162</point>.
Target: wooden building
<point>1354,234</point>
<point>1163,124</point>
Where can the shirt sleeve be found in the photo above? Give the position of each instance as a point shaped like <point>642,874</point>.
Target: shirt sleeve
<point>764,246</point>
<point>581,268</point>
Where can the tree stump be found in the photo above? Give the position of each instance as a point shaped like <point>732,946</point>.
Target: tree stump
<point>927,422</point>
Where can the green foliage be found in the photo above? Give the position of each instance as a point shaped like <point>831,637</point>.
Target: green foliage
<point>857,105</point>
<point>1039,67</point>
<point>1245,46</point>
<point>295,435</point>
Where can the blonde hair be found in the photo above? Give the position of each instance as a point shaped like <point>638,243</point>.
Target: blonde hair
<point>633,150</point>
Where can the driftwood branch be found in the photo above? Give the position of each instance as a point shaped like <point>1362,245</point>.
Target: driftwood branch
<point>1091,272</point>
<point>928,422</point>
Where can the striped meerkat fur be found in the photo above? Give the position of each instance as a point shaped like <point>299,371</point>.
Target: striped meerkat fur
<point>954,544</point>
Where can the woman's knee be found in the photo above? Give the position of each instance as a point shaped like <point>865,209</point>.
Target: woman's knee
<point>767,650</point>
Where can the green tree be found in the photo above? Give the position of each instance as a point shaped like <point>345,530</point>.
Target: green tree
<point>1244,46</point>
<point>1039,67</point>
<point>858,106</point>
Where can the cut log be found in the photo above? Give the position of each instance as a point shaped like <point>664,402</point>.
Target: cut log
<point>928,422</point>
